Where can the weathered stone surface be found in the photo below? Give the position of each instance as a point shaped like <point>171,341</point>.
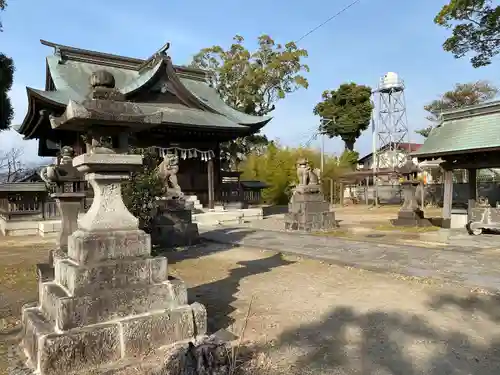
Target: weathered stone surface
<point>308,211</point>
<point>71,312</point>
<point>143,334</point>
<point>173,224</point>
<point>50,296</point>
<point>175,235</point>
<point>69,205</point>
<point>109,303</point>
<point>179,290</point>
<point>105,172</point>
<point>81,280</point>
<point>78,350</point>
<point>34,326</point>
<point>93,247</point>
<point>200,318</point>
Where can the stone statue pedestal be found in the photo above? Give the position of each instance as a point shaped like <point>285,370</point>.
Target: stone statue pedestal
<point>173,223</point>
<point>110,304</point>
<point>308,211</point>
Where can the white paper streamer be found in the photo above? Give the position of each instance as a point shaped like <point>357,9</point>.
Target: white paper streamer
<point>188,153</point>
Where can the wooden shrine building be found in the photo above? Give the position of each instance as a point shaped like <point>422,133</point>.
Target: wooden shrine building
<point>467,138</point>
<point>180,113</point>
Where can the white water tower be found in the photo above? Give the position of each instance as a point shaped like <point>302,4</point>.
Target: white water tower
<point>390,122</point>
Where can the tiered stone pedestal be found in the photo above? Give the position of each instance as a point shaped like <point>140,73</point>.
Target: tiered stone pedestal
<point>110,303</point>
<point>308,211</point>
<point>173,224</point>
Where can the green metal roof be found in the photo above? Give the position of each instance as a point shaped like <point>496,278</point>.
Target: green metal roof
<point>150,113</point>
<point>210,96</point>
<point>60,97</point>
<point>69,72</point>
<point>469,129</point>
<point>74,76</point>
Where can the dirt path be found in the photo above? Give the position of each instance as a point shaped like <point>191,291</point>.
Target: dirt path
<point>314,317</point>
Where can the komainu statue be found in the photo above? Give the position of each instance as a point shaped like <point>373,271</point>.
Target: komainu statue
<point>53,174</point>
<point>167,171</point>
<point>306,175</point>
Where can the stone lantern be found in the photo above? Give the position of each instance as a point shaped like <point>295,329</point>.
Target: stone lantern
<point>410,213</point>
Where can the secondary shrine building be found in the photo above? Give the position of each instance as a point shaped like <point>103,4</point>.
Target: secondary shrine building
<point>190,118</point>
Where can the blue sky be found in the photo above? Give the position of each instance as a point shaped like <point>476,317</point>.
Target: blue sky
<point>368,40</point>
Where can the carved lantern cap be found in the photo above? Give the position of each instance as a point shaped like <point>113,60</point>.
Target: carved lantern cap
<point>408,169</point>
<point>102,78</point>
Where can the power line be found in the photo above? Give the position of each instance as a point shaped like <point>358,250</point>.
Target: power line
<point>328,20</point>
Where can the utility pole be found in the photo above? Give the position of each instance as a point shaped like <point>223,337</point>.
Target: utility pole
<point>324,123</point>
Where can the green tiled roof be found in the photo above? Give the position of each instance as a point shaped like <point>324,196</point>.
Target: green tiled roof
<point>69,72</point>
<point>156,113</point>
<point>208,95</point>
<point>461,134</point>
<point>74,76</point>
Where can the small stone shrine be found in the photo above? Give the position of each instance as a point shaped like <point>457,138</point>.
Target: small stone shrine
<point>307,210</point>
<point>110,304</point>
<point>410,213</point>
<point>172,223</point>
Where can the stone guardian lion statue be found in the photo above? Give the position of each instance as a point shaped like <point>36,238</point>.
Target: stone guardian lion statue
<point>306,175</point>
<point>167,171</point>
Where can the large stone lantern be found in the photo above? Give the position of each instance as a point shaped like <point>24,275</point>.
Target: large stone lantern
<point>110,303</point>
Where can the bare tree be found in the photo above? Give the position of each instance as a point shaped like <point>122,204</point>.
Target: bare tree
<point>12,169</point>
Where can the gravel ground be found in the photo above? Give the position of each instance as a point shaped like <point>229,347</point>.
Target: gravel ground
<point>324,319</point>
<point>312,317</point>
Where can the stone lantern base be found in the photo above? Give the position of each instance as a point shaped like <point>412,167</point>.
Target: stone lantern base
<point>411,218</point>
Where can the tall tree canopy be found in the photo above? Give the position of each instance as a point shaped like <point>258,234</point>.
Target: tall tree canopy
<point>3,4</point>
<point>464,94</point>
<point>476,29</point>
<point>6,78</point>
<point>345,112</point>
<point>252,82</point>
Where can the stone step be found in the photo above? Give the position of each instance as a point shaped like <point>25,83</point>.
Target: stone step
<point>218,218</point>
<point>195,201</point>
<point>67,312</point>
<point>110,345</point>
<point>93,247</point>
<point>80,280</point>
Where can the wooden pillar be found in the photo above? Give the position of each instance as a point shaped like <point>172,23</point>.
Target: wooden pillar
<point>217,173</point>
<point>447,198</point>
<point>211,193</point>
<point>472,189</point>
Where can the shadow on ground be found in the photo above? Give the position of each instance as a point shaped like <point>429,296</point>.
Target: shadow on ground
<point>388,342</point>
<point>201,249</point>
<point>218,296</point>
